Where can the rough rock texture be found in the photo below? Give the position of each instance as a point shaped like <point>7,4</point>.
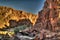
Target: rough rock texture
<point>48,17</point>
<point>7,14</point>
<point>48,21</point>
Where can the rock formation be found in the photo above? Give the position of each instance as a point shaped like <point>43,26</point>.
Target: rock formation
<point>48,21</point>
<point>7,14</point>
<point>48,17</point>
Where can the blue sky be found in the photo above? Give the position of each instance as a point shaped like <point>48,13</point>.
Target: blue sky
<point>33,6</point>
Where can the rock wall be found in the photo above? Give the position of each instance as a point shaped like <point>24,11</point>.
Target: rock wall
<point>48,17</point>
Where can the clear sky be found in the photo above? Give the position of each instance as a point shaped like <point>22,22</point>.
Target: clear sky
<point>33,6</point>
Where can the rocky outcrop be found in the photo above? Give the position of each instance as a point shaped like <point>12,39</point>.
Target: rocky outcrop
<point>48,21</point>
<point>7,14</point>
<point>48,17</point>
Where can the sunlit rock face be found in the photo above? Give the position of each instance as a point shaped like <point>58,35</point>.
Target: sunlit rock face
<point>7,14</point>
<point>49,16</point>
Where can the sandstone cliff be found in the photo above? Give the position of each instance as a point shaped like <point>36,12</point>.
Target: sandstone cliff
<point>7,14</point>
<point>48,17</point>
